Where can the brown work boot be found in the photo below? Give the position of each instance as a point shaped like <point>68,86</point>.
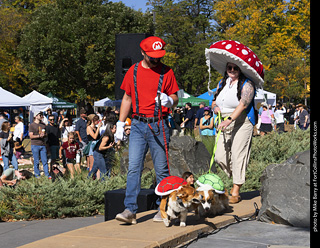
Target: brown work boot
<point>127,217</point>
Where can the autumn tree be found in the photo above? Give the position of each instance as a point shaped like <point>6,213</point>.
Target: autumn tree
<point>278,31</point>
<point>69,47</point>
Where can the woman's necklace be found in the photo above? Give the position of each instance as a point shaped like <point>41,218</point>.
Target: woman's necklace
<point>232,83</point>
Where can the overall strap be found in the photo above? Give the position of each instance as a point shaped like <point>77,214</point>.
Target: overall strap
<point>156,109</point>
<point>135,86</point>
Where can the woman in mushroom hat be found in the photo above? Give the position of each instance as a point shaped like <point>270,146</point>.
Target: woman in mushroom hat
<point>234,99</point>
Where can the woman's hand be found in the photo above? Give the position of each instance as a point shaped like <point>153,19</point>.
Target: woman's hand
<point>223,125</point>
<point>216,110</point>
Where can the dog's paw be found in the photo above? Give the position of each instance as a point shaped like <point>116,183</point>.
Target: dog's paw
<point>183,224</point>
<point>166,222</point>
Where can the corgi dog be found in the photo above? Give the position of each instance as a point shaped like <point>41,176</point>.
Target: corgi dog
<point>211,203</point>
<point>177,203</point>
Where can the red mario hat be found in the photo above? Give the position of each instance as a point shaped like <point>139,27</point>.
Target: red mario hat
<point>153,46</point>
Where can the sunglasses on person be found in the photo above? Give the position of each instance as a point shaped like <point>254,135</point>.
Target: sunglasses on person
<point>51,119</point>
<point>235,68</point>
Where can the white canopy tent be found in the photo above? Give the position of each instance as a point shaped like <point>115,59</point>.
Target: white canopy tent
<point>261,95</point>
<point>8,99</point>
<point>107,102</point>
<point>103,102</point>
<point>38,102</point>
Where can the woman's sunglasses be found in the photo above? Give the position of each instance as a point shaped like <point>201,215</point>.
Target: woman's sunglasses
<point>235,68</point>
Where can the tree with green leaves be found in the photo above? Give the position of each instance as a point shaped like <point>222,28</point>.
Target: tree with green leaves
<point>69,46</point>
<point>185,26</point>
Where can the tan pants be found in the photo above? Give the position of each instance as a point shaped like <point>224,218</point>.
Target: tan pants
<point>233,148</point>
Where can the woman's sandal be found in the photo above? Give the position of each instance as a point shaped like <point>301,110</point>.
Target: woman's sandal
<point>234,199</point>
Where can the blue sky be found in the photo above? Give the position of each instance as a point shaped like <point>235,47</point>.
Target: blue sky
<point>135,4</point>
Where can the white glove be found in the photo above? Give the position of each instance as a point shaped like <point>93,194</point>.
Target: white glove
<point>166,101</point>
<point>119,135</point>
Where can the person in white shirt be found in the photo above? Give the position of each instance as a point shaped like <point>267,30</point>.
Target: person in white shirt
<point>65,128</point>
<point>279,116</point>
<point>18,129</point>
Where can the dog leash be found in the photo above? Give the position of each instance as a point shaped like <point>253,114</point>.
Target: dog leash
<point>156,133</point>
<point>217,122</point>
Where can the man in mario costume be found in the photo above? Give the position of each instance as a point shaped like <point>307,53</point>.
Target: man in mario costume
<point>145,83</point>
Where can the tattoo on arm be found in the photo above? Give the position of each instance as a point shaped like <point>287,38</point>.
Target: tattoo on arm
<point>247,94</point>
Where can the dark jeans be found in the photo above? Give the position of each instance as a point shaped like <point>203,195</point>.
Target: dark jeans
<point>101,163</point>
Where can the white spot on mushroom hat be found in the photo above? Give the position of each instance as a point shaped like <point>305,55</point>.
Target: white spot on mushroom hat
<point>222,52</point>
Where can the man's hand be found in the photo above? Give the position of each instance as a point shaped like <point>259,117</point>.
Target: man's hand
<point>120,130</point>
<point>166,100</point>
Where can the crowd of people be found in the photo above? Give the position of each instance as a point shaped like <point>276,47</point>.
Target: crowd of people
<point>92,137</point>
<point>59,144</point>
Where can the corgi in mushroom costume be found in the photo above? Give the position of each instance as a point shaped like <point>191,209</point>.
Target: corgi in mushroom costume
<point>177,197</point>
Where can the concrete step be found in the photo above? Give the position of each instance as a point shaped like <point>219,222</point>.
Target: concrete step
<point>146,233</point>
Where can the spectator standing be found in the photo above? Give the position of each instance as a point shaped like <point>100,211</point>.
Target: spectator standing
<point>53,134</point>
<point>7,145</point>
<point>207,123</point>
<point>62,115</point>
<point>141,84</point>
<point>81,130</point>
<point>199,115</point>
<point>279,113</point>
<point>177,119</point>
<point>93,134</point>
<point>55,115</point>
<point>37,133</point>
<point>2,119</point>
<point>290,113</point>
<point>303,117</point>
<point>103,152</point>
<point>7,115</point>
<point>188,118</point>
<point>71,148</point>
<point>18,129</point>
<point>65,128</point>
<point>266,120</point>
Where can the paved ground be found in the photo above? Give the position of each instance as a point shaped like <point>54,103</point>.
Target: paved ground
<point>94,232</point>
<point>256,234</point>
<point>14,234</point>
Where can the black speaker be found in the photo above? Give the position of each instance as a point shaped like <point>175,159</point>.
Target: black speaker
<point>128,52</point>
<point>114,202</point>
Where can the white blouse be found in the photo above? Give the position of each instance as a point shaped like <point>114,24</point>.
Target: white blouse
<point>227,100</point>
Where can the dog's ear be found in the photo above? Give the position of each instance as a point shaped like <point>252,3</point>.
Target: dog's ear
<point>181,194</point>
<point>195,200</point>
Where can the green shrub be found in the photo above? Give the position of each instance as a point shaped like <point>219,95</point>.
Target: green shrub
<point>273,148</point>
<point>39,198</point>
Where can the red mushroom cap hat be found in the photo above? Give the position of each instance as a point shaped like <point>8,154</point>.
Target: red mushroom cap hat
<point>153,46</point>
<point>224,51</point>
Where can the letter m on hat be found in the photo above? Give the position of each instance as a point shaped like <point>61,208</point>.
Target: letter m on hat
<point>157,45</point>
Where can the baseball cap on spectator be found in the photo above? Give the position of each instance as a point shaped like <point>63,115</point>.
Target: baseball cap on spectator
<point>38,113</point>
<point>153,46</point>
